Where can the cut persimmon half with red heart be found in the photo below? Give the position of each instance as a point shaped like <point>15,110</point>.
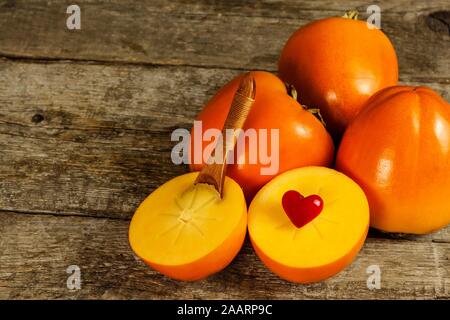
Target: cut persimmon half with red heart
<point>308,224</point>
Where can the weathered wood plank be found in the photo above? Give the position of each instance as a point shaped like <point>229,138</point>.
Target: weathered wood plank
<point>35,251</point>
<point>95,139</point>
<point>226,34</point>
<point>105,131</point>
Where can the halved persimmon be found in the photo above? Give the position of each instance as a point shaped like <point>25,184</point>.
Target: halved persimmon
<point>316,247</point>
<point>187,231</point>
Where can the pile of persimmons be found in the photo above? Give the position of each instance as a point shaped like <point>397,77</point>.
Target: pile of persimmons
<point>393,140</point>
<point>336,104</point>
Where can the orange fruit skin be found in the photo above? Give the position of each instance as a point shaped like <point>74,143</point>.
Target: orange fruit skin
<point>336,64</point>
<point>303,140</point>
<point>212,263</point>
<point>309,275</point>
<point>398,151</point>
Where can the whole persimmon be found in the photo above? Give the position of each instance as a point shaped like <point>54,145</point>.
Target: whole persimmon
<point>302,138</point>
<point>398,150</point>
<point>336,64</point>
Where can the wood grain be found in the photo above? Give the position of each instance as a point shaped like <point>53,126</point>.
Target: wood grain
<point>36,250</point>
<point>225,34</point>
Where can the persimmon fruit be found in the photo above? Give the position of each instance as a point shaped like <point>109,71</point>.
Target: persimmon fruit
<point>303,140</point>
<point>323,242</point>
<point>398,151</point>
<point>336,64</point>
<point>186,231</point>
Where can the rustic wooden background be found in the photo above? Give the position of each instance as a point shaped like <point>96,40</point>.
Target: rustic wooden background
<point>85,123</point>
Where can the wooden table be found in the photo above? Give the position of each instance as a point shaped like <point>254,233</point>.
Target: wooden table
<point>85,123</point>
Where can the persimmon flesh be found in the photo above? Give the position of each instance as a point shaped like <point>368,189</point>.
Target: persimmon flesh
<point>323,246</point>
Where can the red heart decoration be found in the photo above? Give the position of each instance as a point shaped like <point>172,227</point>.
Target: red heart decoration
<point>301,210</point>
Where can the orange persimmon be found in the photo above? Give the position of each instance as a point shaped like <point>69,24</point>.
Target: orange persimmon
<point>303,140</point>
<point>336,64</point>
<point>398,150</point>
<point>186,231</point>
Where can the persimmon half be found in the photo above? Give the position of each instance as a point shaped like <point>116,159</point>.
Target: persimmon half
<point>187,231</point>
<point>336,64</point>
<point>303,140</point>
<point>323,239</point>
<point>398,151</point>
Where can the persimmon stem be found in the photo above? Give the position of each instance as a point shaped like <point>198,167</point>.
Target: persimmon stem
<point>291,91</point>
<point>315,112</point>
<point>351,14</point>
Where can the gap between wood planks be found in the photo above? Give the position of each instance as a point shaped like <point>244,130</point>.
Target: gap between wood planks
<point>55,60</point>
<point>47,60</point>
<point>65,214</point>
